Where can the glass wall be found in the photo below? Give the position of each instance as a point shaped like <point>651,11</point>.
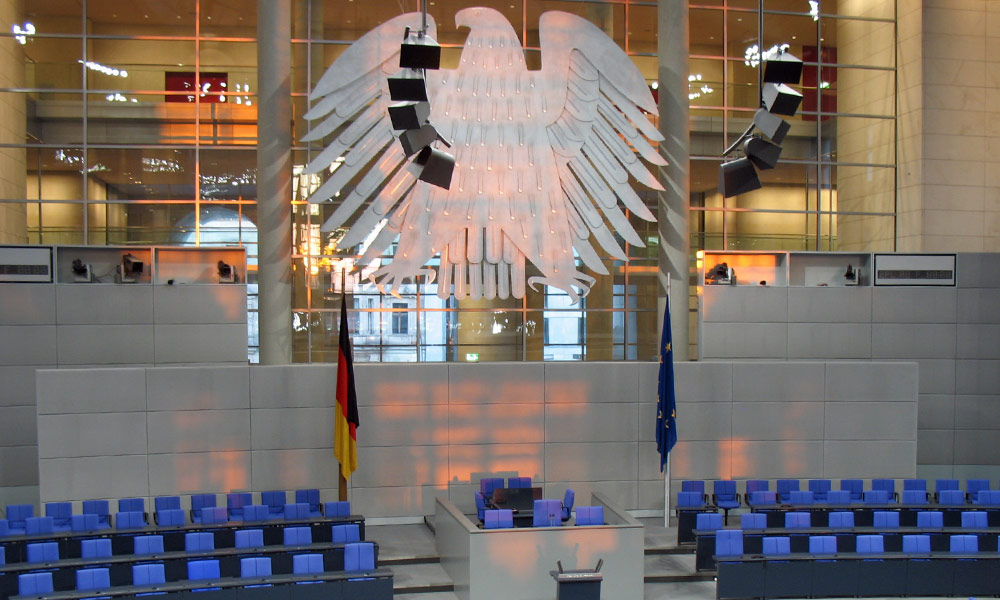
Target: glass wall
<point>136,123</point>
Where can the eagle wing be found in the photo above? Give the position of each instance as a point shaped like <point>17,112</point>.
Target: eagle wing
<point>351,104</point>
<point>595,96</point>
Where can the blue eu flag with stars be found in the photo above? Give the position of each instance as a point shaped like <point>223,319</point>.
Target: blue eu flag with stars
<point>666,406</point>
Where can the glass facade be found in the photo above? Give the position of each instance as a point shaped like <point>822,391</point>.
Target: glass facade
<point>136,123</point>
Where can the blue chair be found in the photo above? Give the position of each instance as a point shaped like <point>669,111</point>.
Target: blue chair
<point>89,522</point>
<point>254,513</point>
<point>4,528</point>
<point>199,541</point>
<point>201,570</point>
<point>951,497</point>
<point>917,544</point>
<point>305,564</point>
<point>249,538</point>
<point>753,521</point>
<point>214,515</point>
<point>887,485</point>
<point>61,513</point>
<point>148,544</point>
<point>697,486</point>
<point>885,519</point>
<point>690,500</point>
<point>299,511</point>
<point>974,519</point>
<point>39,525</point>
<point>255,566</point>
<point>99,548</point>
<point>855,486</point>
<point>162,504</point>
<point>298,536</point>
<point>480,507</point>
<point>785,489</point>
<point>310,497</point>
<point>499,519</point>
<point>870,544</point>
<point>567,504</point>
<point>547,513</point>
<point>841,520</point>
<point>148,574</point>
<point>101,509</point>
<point>729,542</point>
<point>876,497</point>
<point>275,501</point>
<point>964,544</point>
<point>590,515</point>
<point>974,486</point>
<point>762,498</point>
<point>488,484</point>
<point>819,488</point>
<point>130,520</point>
<point>200,502</point>
<point>777,546</point>
<point>930,519</point>
<point>43,552</point>
<point>915,485</point>
<point>724,496</point>
<point>132,505</point>
<point>822,544</point>
<point>340,508</point>
<point>798,520</point>
<point>359,556</point>
<point>519,482</point>
<point>942,485</point>
<point>3,556</point>
<point>914,497</point>
<point>345,533</point>
<point>235,501</point>
<point>987,498</point>
<point>703,521</point>
<point>34,584</point>
<point>93,579</point>
<point>16,516</point>
<point>801,498</point>
<point>838,497</point>
<point>757,485</point>
<point>171,517</point>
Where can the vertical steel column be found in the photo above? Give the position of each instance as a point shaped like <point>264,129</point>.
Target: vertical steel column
<point>674,203</point>
<point>274,179</point>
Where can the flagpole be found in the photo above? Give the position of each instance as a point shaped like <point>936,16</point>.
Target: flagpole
<point>666,471</point>
<point>342,481</point>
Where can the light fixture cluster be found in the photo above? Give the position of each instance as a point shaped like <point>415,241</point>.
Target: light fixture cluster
<point>21,33</point>
<point>411,109</point>
<point>777,99</point>
<point>111,71</point>
<point>693,80</point>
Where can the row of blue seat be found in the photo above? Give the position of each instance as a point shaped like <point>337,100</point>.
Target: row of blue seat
<point>842,519</point>
<point>196,541</point>
<point>540,519</point>
<point>503,518</point>
<point>729,542</point>
<point>488,484</point>
<point>878,497</point>
<point>131,515</point>
<point>359,556</point>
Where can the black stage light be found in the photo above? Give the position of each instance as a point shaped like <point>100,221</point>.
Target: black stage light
<point>438,167</point>
<point>409,115</point>
<point>772,126</point>
<point>419,52</point>
<point>784,68</point>
<point>762,153</point>
<point>226,273</point>
<point>130,269</point>
<point>780,99</point>
<point>408,86</point>
<point>415,140</point>
<point>81,272</point>
<point>737,177</point>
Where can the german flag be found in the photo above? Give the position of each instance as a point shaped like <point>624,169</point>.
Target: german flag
<point>345,436</point>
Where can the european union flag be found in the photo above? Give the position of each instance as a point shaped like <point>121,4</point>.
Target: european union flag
<point>666,407</point>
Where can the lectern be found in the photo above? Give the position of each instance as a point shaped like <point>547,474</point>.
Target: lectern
<point>578,584</point>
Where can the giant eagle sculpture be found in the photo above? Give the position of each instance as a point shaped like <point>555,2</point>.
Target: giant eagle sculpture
<point>542,158</point>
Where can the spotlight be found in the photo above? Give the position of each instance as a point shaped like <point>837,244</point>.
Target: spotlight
<point>408,86</point>
<point>721,275</point>
<point>772,126</point>
<point>227,274</point>
<point>415,140</point>
<point>130,269</point>
<point>780,99</point>
<point>737,177</point>
<point>852,276</point>
<point>438,167</point>
<point>783,68</point>
<point>762,153</point>
<point>82,272</point>
<point>419,51</point>
<point>409,115</point>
